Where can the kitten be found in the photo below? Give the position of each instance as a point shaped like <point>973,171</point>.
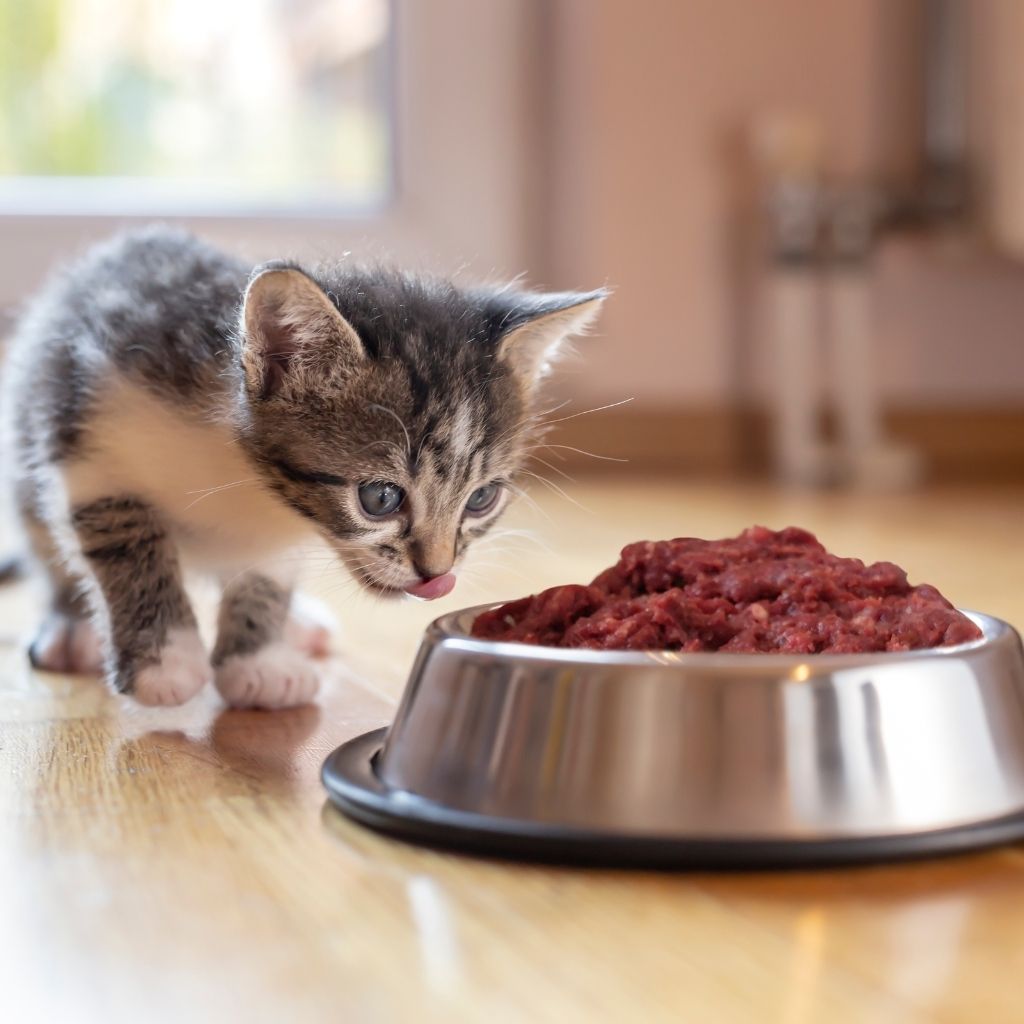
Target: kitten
<point>168,405</point>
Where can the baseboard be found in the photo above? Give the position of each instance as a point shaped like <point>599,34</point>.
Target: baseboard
<point>956,444</point>
<point>628,440</point>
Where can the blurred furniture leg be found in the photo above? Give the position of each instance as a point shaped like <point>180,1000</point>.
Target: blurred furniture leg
<point>788,150</point>
<point>866,457</point>
<point>800,455</point>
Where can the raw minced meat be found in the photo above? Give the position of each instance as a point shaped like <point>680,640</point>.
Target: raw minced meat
<point>764,591</point>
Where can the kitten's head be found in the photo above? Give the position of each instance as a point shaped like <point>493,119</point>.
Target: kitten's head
<point>394,411</point>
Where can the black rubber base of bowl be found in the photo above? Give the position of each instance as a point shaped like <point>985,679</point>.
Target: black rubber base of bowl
<point>354,787</point>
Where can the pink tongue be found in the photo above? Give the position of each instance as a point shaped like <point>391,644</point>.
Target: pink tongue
<point>437,587</point>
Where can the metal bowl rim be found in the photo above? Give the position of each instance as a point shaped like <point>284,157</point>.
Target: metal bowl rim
<point>354,786</point>
<point>451,630</point>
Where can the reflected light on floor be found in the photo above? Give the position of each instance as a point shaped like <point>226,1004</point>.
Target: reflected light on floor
<point>436,933</point>
<point>807,955</point>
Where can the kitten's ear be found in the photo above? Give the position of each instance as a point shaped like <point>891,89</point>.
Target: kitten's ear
<point>292,330</point>
<point>539,324</point>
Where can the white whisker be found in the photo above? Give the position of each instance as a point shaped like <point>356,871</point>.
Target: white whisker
<point>554,469</point>
<point>526,497</point>
<point>558,490</point>
<point>205,493</point>
<point>587,412</point>
<point>579,451</point>
<point>398,420</point>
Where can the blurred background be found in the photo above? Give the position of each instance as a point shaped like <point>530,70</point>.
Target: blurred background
<point>811,211</point>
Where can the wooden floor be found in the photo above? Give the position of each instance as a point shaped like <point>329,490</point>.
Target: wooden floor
<point>182,866</point>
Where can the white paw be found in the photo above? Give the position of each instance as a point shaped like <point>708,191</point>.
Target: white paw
<point>276,676</point>
<point>309,626</point>
<point>183,670</point>
<point>67,644</point>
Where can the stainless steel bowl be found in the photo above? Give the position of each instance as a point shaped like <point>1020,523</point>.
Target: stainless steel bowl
<point>667,758</point>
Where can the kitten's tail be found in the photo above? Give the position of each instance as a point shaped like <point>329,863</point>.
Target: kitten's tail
<point>12,567</point>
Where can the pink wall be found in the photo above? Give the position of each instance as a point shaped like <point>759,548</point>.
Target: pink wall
<point>651,104</point>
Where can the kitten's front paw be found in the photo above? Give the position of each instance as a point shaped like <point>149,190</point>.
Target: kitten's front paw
<point>67,644</point>
<point>276,676</point>
<point>183,670</point>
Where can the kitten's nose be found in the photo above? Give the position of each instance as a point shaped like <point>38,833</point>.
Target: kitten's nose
<point>427,572</point>
<point>431,558</point>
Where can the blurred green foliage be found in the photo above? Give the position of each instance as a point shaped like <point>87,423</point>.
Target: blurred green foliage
<point>84,96</point>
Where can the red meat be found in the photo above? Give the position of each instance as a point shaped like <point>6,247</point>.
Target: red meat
<point>761,592</point>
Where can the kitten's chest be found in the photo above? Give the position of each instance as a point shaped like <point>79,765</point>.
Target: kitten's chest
<point>193,471</point>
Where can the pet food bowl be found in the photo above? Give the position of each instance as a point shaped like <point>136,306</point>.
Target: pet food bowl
<point>713,760</point>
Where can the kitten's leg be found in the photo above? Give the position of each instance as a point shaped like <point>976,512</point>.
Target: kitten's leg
<point>67,639</point>
<point>155,652</point>
<point>257,664</point>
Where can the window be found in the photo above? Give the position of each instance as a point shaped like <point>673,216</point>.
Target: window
<point>395,129</point>
<point>195,105</point>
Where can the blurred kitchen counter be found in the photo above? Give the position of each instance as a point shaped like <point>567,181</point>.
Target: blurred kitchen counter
<point>181,865</point>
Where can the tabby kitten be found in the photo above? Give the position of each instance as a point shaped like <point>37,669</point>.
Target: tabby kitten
<point>168,405</point>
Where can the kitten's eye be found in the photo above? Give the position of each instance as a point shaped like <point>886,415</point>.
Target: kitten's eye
<point>380,498</point>
<point>482,499</point>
